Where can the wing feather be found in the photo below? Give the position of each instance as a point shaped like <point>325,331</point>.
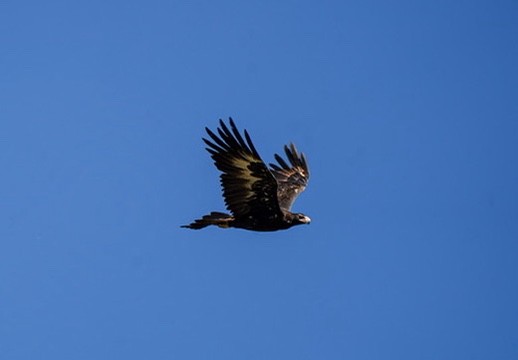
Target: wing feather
<point>291,178</point>
<point>249,187</point>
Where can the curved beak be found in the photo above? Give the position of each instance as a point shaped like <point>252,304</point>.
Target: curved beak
<point>307,219</point>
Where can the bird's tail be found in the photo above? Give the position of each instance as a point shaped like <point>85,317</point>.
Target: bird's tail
<point>214,218</point>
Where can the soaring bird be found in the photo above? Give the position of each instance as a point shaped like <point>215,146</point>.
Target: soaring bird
<point>258,197</point>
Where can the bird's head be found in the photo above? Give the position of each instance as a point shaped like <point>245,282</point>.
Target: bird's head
<point>300,219</point>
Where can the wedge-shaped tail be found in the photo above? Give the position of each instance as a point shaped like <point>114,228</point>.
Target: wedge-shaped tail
<point>214,218</point>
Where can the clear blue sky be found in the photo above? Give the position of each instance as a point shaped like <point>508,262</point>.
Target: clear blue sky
<point>407,112</point>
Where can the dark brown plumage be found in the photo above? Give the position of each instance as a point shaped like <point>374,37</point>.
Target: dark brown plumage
<point>259,198</point>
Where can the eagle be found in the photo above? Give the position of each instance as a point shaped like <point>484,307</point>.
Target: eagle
<point>258,197</point>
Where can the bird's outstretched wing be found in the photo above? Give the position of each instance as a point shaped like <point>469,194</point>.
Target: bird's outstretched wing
<point>249,187</point>
<point>291,179</point>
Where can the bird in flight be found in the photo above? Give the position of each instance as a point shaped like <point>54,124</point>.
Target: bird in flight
<point>258,197</point>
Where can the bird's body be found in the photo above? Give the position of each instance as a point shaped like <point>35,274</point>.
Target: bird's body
<point>259,198</point>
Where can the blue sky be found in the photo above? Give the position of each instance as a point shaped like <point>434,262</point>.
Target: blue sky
<point>407,112</point>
